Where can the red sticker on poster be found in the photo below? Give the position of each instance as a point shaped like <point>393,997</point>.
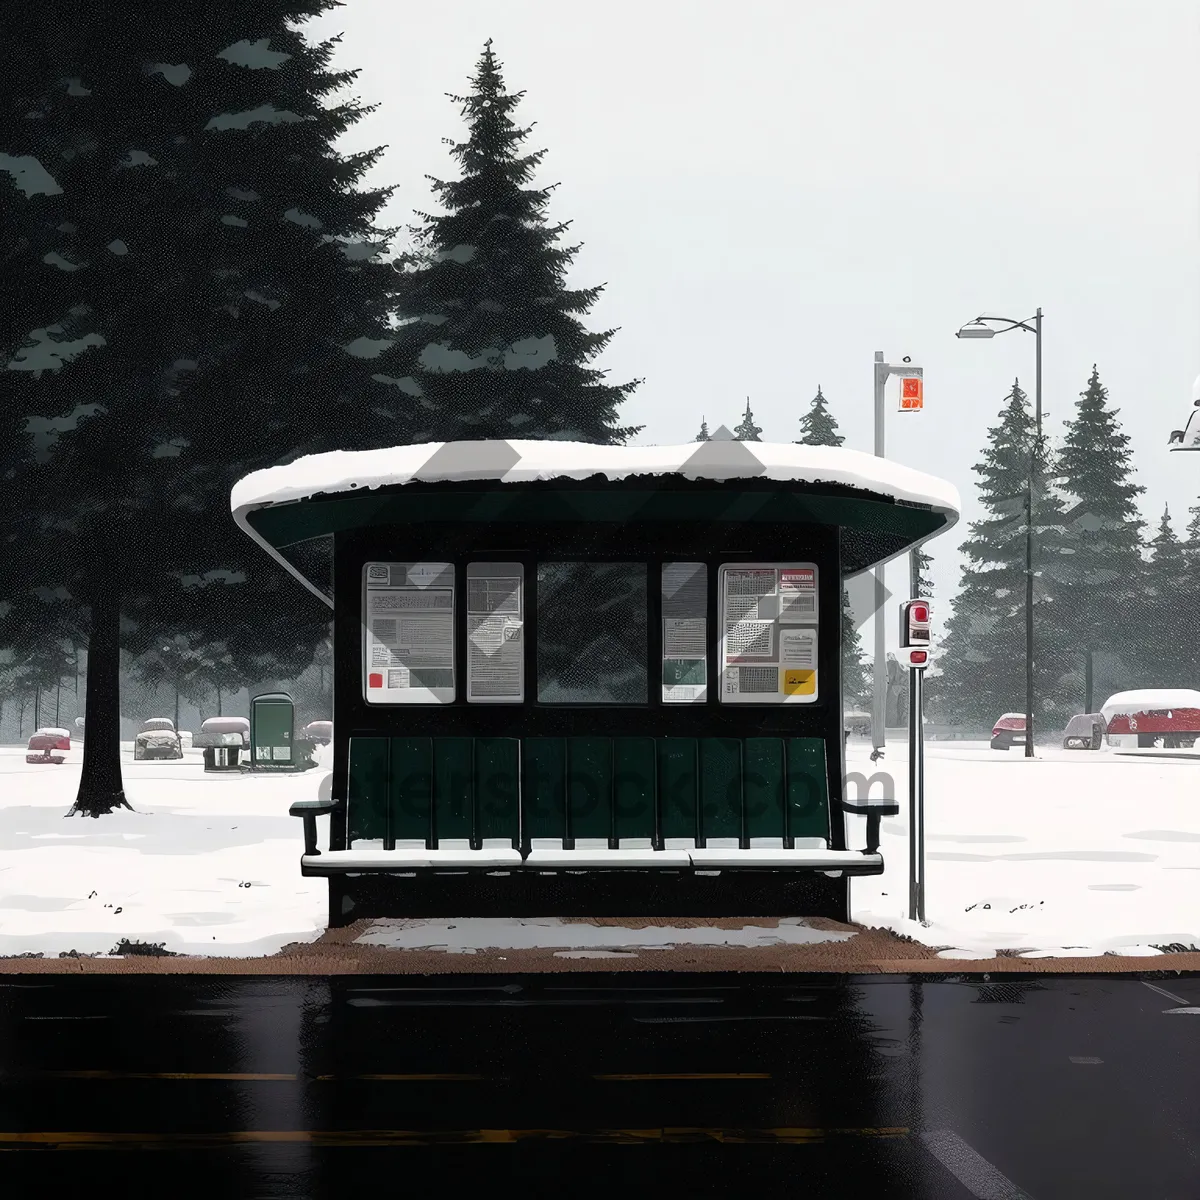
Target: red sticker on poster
<point>375,680</point>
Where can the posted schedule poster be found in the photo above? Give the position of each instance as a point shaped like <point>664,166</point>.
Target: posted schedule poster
<point>769,633</point>
<point>408,633</point>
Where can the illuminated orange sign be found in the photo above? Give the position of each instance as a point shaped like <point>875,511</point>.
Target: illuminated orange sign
<point>912,394</point>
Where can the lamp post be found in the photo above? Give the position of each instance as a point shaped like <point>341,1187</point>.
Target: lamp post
<point>979,328</point>
<point>883,371</point>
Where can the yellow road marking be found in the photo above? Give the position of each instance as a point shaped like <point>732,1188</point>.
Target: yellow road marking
<point>99,1140</point>
<point>687,1075</point>
<point>403,1079</point>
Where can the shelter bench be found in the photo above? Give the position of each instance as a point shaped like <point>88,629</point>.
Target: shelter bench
<point>497,804</point>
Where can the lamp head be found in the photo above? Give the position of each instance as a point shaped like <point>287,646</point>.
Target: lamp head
<point>976,329</point>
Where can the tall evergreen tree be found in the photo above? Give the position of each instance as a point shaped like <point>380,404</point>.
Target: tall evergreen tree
<point>983,663</point>
<point>1105,529</point>
<point>1169,652</point>
<point>817,426</point>
<point>494,344</point>
<point>746,430</point>
<point>703,436</point>
<point>191,277</point>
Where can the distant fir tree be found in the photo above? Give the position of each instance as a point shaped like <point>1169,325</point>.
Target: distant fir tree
<point>746,430</point>
<point>817,426</point>
<point>924,580</point>
<point>983,660</point>
<point>1105,532</point>
<point>191,272</point>
<point>492,340</point>
<point>1170,652</point>
<point>702,436</point>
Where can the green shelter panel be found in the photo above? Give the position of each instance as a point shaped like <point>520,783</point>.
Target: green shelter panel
<point>678,786</point>
<point>367,797</point>
<point>543,787</point>
<point>498,788</point>
<point>411,788</point>
<point>763,777</point>
<point>720,788</point>
<point>453,787</point>
<point>589,787</point>
<point>808,788</point>
<point>634,771</point>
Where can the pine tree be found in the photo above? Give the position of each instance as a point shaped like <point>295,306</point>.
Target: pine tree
<point>983,663</point>
<point>494,344</point>
<point>817,426</point>
<point>924,581</point>
<point>1170,657</point>
<point>191,277</point>
<point>856,683</point>
<point>702,436</point>
<point>746,430</point>
<point>1104,528</point>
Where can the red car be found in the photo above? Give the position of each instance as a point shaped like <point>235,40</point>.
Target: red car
<point>47,745</point>
<point>1009,731</point>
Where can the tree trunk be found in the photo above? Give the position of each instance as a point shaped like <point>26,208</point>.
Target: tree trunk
<point>57,698</point>
<point>1087,683</point>
<point>100,787</point>
<point>219,700</point>
<point>176,703</point>
<point>37,708</point>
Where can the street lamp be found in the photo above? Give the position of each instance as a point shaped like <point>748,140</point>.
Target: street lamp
<point>980,328</point>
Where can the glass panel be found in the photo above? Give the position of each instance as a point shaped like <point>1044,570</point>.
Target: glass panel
<point>591,633</point>
<point>684,633</point>
<point>769,633</point>
<point>408,633</point>
<point>495,646</point>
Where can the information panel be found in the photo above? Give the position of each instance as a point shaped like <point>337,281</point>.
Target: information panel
<point>684,633</point>
<point>495,641</point>
<point>769,624</point>
<point>408,633</point>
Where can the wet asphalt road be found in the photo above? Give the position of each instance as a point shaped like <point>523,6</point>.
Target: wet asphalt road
<point>941,1088</point>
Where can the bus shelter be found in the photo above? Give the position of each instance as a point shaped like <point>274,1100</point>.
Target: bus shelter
<point>578,679</point>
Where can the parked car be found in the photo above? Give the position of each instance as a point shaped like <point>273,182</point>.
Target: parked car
<point>1009,731</point>
<point>157,739</point>
<point>47,745</point>
<point>318,732</point>
<point>1085,731</point>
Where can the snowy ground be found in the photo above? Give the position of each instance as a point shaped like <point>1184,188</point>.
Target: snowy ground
<point>207,864</point>
<point>1072,853</point>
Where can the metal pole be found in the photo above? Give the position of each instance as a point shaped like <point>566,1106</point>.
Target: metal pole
<point>1029,614</point>
<point>914,866</point>
<point>879,705</point>
<point>1037,448</point>
<point>918,708</point>
<point>1037,392</point>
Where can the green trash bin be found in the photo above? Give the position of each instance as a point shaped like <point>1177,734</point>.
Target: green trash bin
<point>272,745</point>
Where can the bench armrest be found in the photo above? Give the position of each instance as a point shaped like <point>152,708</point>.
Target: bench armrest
<point>309,811</point>
<point>873,812</point>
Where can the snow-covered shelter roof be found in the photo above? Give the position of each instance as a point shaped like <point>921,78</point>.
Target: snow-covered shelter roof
<point>52,731</point>
<point>1149,699</point>
<point>887,508</point>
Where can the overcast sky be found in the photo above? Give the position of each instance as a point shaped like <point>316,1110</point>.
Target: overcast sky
<point>772,191</point>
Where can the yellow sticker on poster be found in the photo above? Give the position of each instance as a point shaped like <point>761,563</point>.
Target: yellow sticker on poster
<point>799,683</point>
